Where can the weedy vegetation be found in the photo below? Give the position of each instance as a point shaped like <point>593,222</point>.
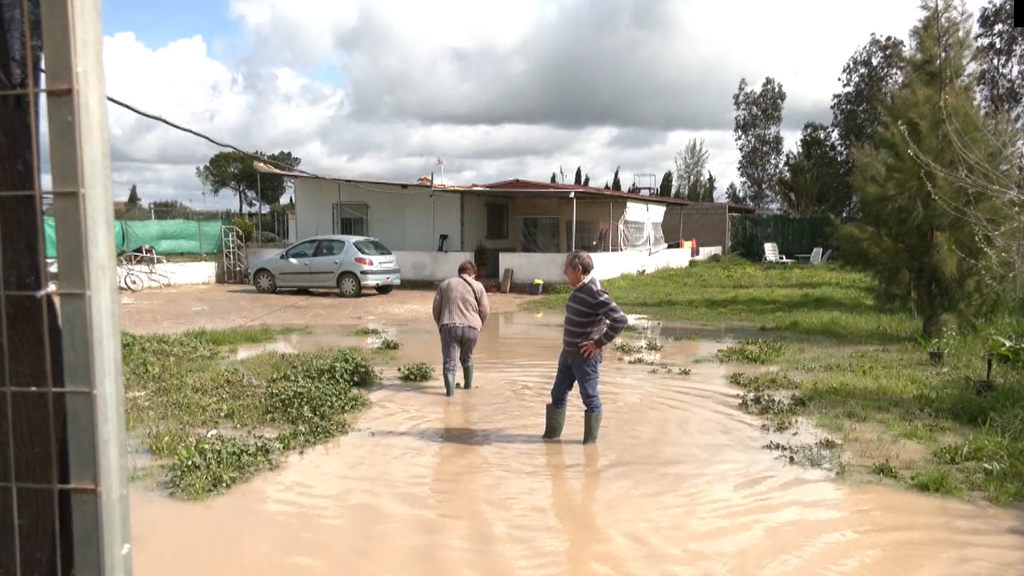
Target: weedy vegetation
<point>211,422</point>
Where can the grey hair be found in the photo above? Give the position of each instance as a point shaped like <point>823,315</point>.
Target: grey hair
<point>582,259</point>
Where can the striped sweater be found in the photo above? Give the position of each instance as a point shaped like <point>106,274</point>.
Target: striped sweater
<point>590,314</point>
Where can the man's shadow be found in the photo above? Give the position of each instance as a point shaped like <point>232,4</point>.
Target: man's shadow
<point>464,435</point>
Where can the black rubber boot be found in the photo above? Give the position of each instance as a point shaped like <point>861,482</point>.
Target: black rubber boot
<point>554,422</point>
<point>449,384</point>
<point>467,375</point>
<point>591,426</point>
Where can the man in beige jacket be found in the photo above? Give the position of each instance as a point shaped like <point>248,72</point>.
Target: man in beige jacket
<point>460,310</point>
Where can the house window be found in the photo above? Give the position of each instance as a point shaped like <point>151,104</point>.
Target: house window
<point>351,218</point>
<point>497,221</point>
<point>539,234</point>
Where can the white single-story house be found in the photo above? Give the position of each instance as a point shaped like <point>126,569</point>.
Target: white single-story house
<point>519,224</point>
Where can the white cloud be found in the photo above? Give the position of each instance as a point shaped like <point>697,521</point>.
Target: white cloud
<point>499,89</point>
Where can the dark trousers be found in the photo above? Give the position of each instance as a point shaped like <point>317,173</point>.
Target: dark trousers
<point>573,368</point>
<point>457,341</point>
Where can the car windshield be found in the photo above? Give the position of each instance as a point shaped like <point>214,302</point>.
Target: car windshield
<point>371,248</point>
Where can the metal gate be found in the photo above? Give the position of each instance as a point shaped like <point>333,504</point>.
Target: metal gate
<point>63,461</point>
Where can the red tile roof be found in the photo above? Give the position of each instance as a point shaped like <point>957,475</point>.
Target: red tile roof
<point>517,185</point>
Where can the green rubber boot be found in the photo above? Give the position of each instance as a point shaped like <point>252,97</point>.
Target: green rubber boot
<point>467,375</point>
<point>449,384</point>
<point>554,422</point>
<point>591,426</point>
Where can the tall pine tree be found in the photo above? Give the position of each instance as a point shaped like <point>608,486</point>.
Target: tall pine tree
<point>909,236</point>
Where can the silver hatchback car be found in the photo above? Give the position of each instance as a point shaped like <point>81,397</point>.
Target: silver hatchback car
<point>348,263</point>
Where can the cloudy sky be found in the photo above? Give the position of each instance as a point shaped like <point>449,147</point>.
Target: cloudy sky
<point>499,89</point>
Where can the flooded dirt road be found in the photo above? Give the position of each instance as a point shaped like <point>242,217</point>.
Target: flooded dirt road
<point>678,484</point>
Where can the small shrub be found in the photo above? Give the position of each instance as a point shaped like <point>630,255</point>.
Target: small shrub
<point>1008,351</point>
<point>752,352</point>
<point>886,470</point>
<point>247,227</point>
<point>389,344</point>
<point>652,345</point>
<point>416,372</point>
<point>627,348</point>
<point>762,382</point>
<point>368,331</point>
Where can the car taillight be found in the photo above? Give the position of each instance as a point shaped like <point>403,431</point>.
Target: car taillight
<point>364,261</point>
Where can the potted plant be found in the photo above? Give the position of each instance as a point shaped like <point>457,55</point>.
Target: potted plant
<point>480,259</point>
<point>936,353</point>
<point>940,345</point>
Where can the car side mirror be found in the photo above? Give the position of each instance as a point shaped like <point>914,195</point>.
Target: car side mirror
<point>283,255</point>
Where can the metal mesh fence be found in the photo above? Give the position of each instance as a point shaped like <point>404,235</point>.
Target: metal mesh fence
<point>63,495</point>
<point>793,235</point>
<point>591,235</point>
<point>539,234</point>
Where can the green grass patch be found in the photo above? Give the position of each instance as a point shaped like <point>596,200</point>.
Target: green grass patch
<point>929,425</point>
<point>239,336</point>
<point>856,370</point>
<point>813,300</point>
<point>211,422</point>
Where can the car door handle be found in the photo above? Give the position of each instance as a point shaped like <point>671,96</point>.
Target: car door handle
<point>337,261</point>
<point>305,263</point>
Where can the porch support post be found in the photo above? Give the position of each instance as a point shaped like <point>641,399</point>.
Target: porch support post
<point>432,219</point>
<point>573,196</point>
<point>680,226</point>
<point>611,222</point>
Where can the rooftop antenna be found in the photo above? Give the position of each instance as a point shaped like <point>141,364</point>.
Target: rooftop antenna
<point>440,163</point>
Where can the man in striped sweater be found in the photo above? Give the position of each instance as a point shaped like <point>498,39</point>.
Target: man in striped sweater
<point>592,321</point>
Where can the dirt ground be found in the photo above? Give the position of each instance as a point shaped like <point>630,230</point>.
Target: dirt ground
<point>226,306</point>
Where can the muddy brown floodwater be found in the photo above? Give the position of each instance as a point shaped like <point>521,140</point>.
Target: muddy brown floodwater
<point>678,484</point>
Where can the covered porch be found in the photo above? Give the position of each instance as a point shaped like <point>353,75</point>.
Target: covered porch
<point>529,227</point>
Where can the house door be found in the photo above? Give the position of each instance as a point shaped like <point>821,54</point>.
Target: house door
<point>539,234</point>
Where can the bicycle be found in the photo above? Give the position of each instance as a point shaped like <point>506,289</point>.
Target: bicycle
<point>131,280</point>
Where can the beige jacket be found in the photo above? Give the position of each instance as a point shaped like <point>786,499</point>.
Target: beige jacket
<point>462,301</point>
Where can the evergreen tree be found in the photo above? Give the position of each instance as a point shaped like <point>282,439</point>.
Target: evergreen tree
<point>133,197</point>
<point>707,193</point>
<point>616,184</point>
<point>734,195</point>
<point>909,236</point>
<point>554,178</point>
<point>579,176</point>
<point>666,184</point>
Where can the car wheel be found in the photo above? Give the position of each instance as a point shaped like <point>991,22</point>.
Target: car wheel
<point>349,286</point>
<point>384,289</point>
<point>264,282</point>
